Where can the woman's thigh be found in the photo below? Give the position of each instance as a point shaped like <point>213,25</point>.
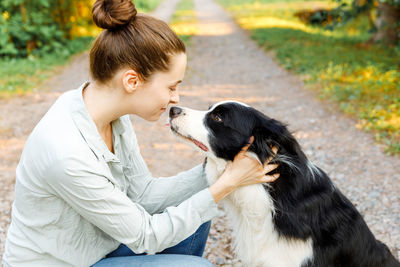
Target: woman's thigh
<point>160,260</point>
<point>193,245</point>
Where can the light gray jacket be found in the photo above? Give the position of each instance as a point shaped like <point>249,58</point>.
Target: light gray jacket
<point>75,201</point>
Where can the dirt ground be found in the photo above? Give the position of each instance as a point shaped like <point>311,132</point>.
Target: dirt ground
<point>225,64</point>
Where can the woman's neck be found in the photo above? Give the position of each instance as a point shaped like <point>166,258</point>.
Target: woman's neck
<point>102,104</point>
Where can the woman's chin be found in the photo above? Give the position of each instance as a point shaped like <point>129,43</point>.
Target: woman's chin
<point>153,118</point>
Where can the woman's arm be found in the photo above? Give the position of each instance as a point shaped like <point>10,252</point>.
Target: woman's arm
<point>156,194</point>
<point>91,194</point>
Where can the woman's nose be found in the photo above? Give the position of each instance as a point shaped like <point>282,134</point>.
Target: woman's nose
<point>175,98</point>
<point>174,112</point>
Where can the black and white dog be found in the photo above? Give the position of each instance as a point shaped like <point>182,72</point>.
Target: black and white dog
<point>301,219</point>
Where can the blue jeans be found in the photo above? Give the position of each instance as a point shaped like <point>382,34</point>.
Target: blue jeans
<point>186,253</point>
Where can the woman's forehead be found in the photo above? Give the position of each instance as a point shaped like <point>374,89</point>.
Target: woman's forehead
<point>176,72</point>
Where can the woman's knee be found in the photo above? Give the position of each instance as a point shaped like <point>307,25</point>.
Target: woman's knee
<point>192,261</point>
<point>160,260</point>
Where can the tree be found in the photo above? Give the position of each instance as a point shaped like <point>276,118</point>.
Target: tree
<point>386,26</point>
<point>388,22</point>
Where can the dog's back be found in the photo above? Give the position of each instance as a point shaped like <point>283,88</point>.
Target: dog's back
<point>340,236</point>
<point>307,204</point>
<point>301,219</point>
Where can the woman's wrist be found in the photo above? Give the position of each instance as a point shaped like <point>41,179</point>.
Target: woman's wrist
<point>221,188</point>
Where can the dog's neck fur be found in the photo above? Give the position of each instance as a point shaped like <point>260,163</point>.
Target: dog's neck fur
<point>250,211</point>
<point>214,168</point>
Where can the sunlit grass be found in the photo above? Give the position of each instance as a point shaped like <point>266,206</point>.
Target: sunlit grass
<point>371,93</point>
<point>363,79</point>
<point>184,21</point>
<point>21,75</point>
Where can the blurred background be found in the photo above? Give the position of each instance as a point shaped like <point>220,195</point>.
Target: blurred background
<point>36,35</point>
<point>329,68</point>
<point>348,49</point>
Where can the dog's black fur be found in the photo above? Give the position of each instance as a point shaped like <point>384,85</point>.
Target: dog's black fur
<point>306,202</point>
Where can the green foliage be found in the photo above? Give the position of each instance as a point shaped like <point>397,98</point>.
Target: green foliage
<point>146,5</point>
<point>348,10</point>
<point>183,20</point>
<point>363,79</point>
<point>39,27</point>
<point>19,75</point>
<point>391,2</point>
<point>38,35</point>
<point>36,27</point>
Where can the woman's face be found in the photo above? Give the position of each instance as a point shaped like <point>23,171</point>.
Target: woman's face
<point>161,90</point>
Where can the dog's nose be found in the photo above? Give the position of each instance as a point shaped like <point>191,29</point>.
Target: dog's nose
<point>174,112</point>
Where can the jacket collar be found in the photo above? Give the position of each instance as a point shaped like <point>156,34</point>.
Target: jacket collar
<point>88,129</point>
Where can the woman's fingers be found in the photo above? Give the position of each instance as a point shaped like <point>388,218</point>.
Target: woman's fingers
<point>270,167</point>
<point>245,148</point>
<point>274,150</point>
<point>270,178</point>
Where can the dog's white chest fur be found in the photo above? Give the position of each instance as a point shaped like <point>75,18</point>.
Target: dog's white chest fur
<point>249,210</point>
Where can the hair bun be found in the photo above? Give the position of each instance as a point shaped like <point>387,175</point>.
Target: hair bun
<point>113,14</point>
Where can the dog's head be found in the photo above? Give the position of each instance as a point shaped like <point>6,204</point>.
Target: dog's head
<point>226,127</point>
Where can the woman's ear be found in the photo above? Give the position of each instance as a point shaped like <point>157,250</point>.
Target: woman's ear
<point>131,81</point>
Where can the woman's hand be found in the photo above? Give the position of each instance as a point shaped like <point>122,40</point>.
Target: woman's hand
<point>244,170</point>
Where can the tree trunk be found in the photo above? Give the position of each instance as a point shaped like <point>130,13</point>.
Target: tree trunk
<point>387,23</point>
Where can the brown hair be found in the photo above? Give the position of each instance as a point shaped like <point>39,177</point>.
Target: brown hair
<point>133,40</point>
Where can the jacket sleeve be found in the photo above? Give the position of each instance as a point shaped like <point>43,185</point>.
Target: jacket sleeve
<point>156,194</point>
<point>94,197</point>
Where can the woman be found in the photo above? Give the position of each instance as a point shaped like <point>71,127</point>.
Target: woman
<point>82,188</point>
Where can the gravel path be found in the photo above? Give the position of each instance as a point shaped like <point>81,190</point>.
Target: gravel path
<point>225,64</point>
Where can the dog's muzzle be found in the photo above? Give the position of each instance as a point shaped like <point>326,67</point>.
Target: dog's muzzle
<point>174,112</point>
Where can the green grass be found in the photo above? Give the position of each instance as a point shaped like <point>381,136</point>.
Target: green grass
<point>21,75</point>
<point>363,79</point>
<point>146,5</point>
<point>183,22</point>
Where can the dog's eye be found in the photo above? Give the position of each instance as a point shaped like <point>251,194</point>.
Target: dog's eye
<point>216,117</point>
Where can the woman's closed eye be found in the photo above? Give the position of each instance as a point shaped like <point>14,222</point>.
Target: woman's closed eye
<point>174,87</point>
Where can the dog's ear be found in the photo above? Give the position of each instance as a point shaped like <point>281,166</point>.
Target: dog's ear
<point>266,133</point>
<point>261,146</point>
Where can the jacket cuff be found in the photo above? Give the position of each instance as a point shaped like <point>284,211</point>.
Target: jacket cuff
<point>205,205</point>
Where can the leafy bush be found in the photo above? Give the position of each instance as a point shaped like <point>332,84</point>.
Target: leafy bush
<point>38,35</point>
<point>38,27</point>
